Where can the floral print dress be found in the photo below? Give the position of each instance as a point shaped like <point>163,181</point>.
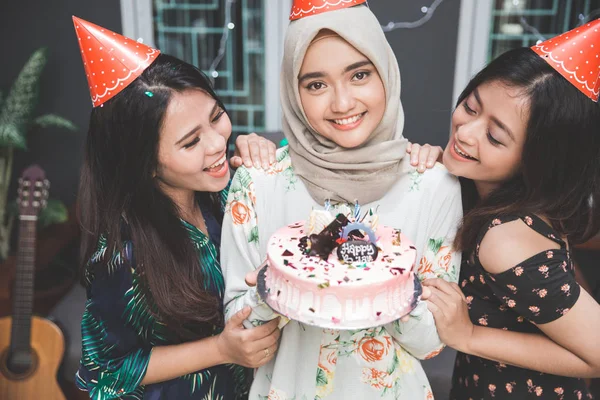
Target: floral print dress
<point>381,362</point>
<point>539,290</point>
<point>119,329</point>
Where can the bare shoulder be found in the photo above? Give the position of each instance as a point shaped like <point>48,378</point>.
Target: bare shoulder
<point>509,244</point>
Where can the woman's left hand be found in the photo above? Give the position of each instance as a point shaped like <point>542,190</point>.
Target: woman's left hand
<point>449,308</point>
<point>253,150</point>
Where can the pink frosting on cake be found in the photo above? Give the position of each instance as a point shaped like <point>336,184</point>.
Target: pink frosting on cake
<point>331,294</point>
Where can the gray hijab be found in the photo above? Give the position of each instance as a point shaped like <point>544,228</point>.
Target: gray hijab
<point>331,172</point>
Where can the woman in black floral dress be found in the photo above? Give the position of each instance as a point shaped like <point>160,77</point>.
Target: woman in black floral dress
<point>538,290</point>
<point>526,144</point>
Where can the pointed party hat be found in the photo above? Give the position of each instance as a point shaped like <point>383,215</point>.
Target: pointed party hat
<point>305,8</point>
<point>111,61</point>
<point>576,56</point>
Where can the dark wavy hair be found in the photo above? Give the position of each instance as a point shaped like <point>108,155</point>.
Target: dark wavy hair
<point>119,198</point>
<point>559,177</point>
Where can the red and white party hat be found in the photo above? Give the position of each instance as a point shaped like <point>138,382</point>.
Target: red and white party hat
<point>111,61</point>
<point>305,8</point>
<point>576,56</point>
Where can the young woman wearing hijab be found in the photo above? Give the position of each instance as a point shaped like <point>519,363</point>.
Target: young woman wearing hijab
<point>343,121</point>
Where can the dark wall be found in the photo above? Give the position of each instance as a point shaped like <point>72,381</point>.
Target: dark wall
<point>426,56</point>
<point>26,26</point>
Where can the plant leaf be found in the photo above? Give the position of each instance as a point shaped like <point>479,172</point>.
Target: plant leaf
<point>11,136</point>
<point>22,98</point>
<point>48,120</point>
<point>12,209</point>
<point>54,213</point>
<point>1,98</point>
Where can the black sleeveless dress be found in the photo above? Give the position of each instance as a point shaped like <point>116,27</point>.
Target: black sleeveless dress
<point>540,289</point>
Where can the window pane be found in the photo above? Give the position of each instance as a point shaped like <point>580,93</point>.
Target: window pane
<point>518,23</point>
<point>193,30</point>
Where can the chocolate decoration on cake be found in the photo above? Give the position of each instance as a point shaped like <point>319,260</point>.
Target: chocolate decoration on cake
<point>318,246</point>
<point>334,228</point>
<point>356,251</point>
<point>322,245</point>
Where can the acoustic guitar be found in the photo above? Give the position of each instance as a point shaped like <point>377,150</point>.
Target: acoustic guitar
<point>31,354</point>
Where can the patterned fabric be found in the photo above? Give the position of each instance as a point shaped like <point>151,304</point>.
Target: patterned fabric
<point>539,290</point>
<point>312,363</point>
<point>119,329</point>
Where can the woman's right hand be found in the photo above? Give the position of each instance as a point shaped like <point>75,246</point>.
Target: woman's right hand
<point>253,150</point>
<point>424,156</point>
<point>250,348</point>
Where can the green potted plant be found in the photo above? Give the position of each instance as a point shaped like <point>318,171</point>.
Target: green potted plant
<point>17,118</point>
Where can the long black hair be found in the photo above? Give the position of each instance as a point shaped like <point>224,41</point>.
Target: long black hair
<point>119,198</point>
<point>559,177</point>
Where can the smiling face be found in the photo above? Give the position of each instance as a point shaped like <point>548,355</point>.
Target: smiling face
<point>193,145</point>
<point>341,92</point>
<point>488,134</point>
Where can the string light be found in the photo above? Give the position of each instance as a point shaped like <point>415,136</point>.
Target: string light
<point>587,18</point>
<point>428,11</point>
<point>227,27</point>
<point>391,26</point>
<point>531,29</point>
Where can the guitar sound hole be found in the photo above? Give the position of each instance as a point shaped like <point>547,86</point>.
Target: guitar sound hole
<point>19,367</point>
<point>19,362</point>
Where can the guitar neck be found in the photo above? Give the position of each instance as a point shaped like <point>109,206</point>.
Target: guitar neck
<point>23,289</point>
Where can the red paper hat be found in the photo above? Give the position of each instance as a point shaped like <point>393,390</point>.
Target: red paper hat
<point>576,56</point>
<point>111,61</point>
<point>305,8</point>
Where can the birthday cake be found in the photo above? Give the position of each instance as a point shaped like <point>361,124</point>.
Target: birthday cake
<point>340,271</point>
